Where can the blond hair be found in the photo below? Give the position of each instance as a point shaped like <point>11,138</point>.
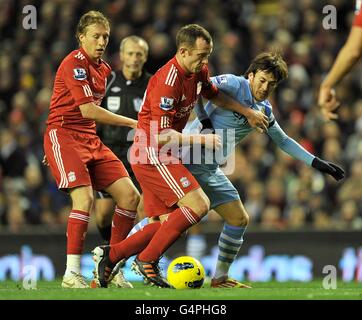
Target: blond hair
<point>135,39</point>
<point>89,18</point>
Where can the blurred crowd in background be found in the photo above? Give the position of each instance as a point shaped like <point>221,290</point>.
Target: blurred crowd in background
<point>279,193</point>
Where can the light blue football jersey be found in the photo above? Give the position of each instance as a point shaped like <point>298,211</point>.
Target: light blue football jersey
<point>233,127</point>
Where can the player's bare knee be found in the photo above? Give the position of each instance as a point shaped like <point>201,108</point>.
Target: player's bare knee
<point>134,200</point>
<point>84,203</point>
<point>206,205</point>
<point>244,220</point>
<point>129,201</point>
<point>82,198</point>
<point>202,206</point>
<point>238,220</point>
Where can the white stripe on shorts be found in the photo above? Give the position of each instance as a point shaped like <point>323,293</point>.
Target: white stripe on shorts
<point>165,173</point>
<point>58,158</point>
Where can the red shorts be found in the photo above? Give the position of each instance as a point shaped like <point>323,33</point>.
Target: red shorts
<point>163,185</point>
<point>80,159</point>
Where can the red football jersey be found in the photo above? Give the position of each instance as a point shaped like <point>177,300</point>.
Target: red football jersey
<point>358,14</point>
<point>170,97</point>
<point>79,80</point>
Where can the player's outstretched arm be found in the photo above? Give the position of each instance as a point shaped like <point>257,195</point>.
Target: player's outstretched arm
<point>101,115</point>
<point>350,53</point>
<point>294,149</point>
<point>256,119</point>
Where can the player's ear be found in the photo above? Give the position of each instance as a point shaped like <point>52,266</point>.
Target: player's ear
<point>250,76</point>
<point>81,37</point>
<point>183,50</point>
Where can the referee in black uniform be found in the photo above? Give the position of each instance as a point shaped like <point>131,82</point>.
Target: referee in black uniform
<point>124,94</point>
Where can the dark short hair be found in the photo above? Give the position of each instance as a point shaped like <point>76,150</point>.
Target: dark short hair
<point>272,62</point>
<point>89,18</point>
<point>188,35</point>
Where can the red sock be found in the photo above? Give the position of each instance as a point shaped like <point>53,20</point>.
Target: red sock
<point>133,244</point>
<point>76,231</point>
<point>171,229</point>
<point>122,223</point>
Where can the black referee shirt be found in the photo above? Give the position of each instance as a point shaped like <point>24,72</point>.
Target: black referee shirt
<point>123,97</point>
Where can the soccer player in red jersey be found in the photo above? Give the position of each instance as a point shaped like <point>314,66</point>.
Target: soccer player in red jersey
<point>78,160</point>
<point>349,55</point>
<point>167,186</point>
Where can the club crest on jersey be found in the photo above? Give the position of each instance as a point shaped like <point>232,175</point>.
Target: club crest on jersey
<point>199,87</point>
<point>221,79</point>
<point>185,182</point>
<point>266,109</point>
<point>80,74</point>
<point>71,176</point>
<point>166,103</point>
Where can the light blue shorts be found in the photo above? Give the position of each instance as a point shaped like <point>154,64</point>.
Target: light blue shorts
<point>215,184</point>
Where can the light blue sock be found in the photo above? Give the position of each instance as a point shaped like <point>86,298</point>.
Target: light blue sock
<point>230,241</point>
<point>138,226</point>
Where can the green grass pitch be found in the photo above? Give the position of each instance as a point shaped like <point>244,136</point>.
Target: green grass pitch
<point>10,290</point>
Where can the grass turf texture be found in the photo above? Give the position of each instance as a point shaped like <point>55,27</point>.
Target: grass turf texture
<point>10,290</point>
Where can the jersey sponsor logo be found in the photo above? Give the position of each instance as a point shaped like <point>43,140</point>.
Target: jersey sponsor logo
<point>79,74</point>
<point>240,117</point>
<point>199,87</point>
<point>185,182</point>
<point>115,89</point>
<point>71,176</point>
<point>79,56</point>
<point>185,111</point>
<point>113,103</point>
<point>221,79</point>
<point>166,103</point>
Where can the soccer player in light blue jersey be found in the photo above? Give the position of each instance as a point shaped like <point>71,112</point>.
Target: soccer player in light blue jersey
<point>263,75</point>
<point>266,71</point>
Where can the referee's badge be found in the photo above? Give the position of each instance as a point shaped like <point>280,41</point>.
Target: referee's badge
<point>113,103</point>
<point>185,182</point>
<point>137,104</point>
<point>115,89</point>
